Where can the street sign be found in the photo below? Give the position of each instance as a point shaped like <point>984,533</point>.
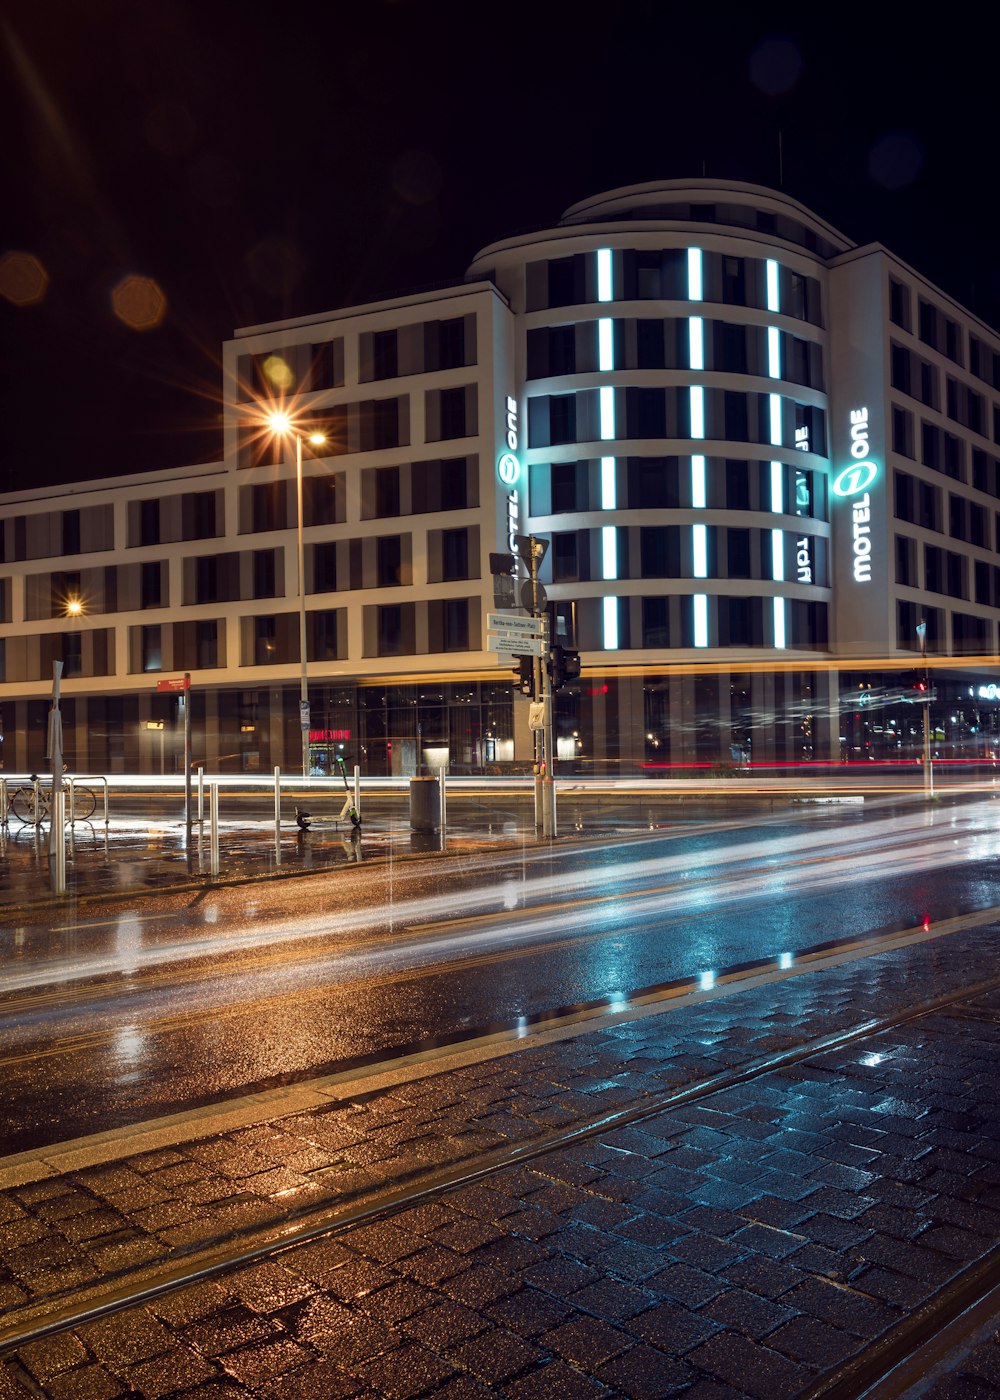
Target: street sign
<point>508,622</point>
<point>528,592</point>
<point>528,546</point>
<point>515,644</point>
<point>178,683</point>
<point>536,714</point>
<point>304,721</point>
<point>503,591</point>
<point>502,563</point>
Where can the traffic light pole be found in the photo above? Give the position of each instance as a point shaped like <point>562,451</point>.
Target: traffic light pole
<point>545,793</point>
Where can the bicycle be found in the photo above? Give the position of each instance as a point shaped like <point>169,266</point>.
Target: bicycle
<point>31,804</point>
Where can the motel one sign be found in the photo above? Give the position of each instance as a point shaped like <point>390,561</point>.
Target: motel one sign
<point>509,472</point>
<point>853,481</point>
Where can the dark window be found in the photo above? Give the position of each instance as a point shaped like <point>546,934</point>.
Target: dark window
<point>150,587</point>
<point>453,418</point>
<point>151,647</point>
<point>956,575</point>
<point>903,484</point>
<point>655,628</point>
<point>983,589</point>
<point>899,304</point>
<point>319,500</point>
<point>562,418</point>
<point>324,372</point>
<point>452,343</point>
<point>264,574</point>
<point>456,624</point>
<point>928,384</point>
<point>930,445</point>
<point>265,641</point>
<point>741,622</point>
<point>325,568</point>
<point>384,421</point>
<point>323,635</point>
<point>953,341</point>
<point>268,506</point>
<point>928,324</point>
<point>390,630</point>
<point>954,457</point>
<point>933,569</point>
<point>734,281</point>
<point>734,350</point>
<point>647,417</point>
<point>900,364</point>
<point>454,555</point>
<point>199,512</point>
<point>930,506</point>
<point>660,551</point>
<point>737,484</point>
<point>566,281</point>
<point>737,424</point>
<point>564,487</point>
<point>454,483</point>
<point>72,653</point>
<point>653,483</point>
<point>149,522</point>
<point>385,360</point>
<point>738,553</point>
<point>649,345</point>
<point>206,579</point>
<point>902,432</point>
<point>906,561</point>
<point>562,350</point>
<point>389,554</point>
<point>977,526</point>
<point>387,491</point>
<point>565,556</point>
<point>207,644</point>
<point>71,532</point>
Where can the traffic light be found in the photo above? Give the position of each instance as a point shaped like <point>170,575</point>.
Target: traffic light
<point>564,666</point>
<point>524,672</point>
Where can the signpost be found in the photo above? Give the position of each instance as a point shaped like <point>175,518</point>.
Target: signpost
<point>515,644</point>
<point>173,684</point>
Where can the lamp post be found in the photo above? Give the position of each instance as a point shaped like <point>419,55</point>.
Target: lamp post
<point>282,426</point>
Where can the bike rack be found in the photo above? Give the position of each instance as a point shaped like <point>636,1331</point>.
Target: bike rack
<point>74,778</point>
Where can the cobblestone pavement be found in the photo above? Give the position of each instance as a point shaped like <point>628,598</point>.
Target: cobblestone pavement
<point>741,1246</point>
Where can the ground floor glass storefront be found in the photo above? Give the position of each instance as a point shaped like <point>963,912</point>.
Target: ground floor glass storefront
<point>666,723</point>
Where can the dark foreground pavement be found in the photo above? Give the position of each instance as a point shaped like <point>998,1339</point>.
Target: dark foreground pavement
<point>811,1211</point>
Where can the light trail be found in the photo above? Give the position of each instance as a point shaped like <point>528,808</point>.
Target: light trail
<point>524,908</point>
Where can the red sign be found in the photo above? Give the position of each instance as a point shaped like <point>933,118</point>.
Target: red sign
<point>328,736</point>
<point>181,683</point>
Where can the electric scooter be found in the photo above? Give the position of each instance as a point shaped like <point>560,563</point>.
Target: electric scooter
<point>348,811</point>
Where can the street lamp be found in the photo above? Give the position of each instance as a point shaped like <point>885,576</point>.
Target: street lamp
<point>283,427</point>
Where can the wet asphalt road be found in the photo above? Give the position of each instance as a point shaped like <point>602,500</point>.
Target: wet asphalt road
<point>113,1015</point>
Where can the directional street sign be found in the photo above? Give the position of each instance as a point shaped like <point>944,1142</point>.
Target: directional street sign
<point>177,683</point>
<point>515,644</point>
<point>507,622</point>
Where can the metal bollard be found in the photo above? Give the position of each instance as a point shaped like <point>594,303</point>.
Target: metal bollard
<point>357,789</point>
<point>277,816</point>
<point>4,803</point>
<point>443,797</point>
<point>213,829</point>
<point>201,794</point>
<point>58,831</point>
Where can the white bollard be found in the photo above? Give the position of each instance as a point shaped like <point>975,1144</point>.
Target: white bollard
<point>201,794</point>
<point>357,789</point>
<point>213,830</point>
<point>443,798</point>
<point>277,816</point>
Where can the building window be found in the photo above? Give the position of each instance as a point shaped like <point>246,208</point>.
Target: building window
<point>386,492</point>
<point>149,522</point>
<point>453,418</point>
<point>389,560</point>
<point>150,585</point>
<point>323,635</point>
<point>151,649</point>
<point>902,432</point>
<point>565,556</point>
<point>899,304</point>
<point>207,644</point>
<point>71,532</point>
<point>324,558</point>
<point>738,553</point>
<point>906,561</point>
<point>456,624</point>
<point>655,624</point>
<point>385,359</point>
<point>264,573</point>
<point>653,483</point>
<point>72,653</point>
<point>265,641</point>
<point>454,555</point>
<point>734,282</point>
<point>660,551</point>
<point>390,630</point>
<point>206,579</point>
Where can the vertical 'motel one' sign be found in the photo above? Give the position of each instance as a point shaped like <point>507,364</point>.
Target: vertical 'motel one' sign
<point>853,481</point>
<point>509,470</point>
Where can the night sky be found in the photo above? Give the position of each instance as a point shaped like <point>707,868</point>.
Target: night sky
<point>252,161</point>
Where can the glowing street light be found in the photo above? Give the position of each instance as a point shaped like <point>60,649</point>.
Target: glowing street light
<point>73,607</point>
<point>282,426</point>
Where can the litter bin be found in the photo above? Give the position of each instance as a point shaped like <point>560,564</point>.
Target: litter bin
<point>425,804</point>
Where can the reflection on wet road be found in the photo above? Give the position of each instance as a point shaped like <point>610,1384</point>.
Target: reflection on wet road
<point>180,999</point>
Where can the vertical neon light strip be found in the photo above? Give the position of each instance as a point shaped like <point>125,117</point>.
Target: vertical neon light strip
<point>779,623</point>
<point>609,551</point>
<point>696,342</point>
<point>694,274</point>
<point>698,496</point>
<point>605,284</point>
<point>610,624</point>
<point>777,555</point>
<point>607,412</point>
<point>777,491</point>
<point>774,352</point>
<point>700,601</point>
<point>699,542</point>
<point>773,300</point>
<point>697,411</point>
<point>606,343</point>
<point>775,406</point>
<point>608,491</point>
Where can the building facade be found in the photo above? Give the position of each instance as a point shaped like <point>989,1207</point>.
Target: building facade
<point>762,458</point>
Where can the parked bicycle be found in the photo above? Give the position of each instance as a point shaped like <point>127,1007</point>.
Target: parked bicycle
<point>31,804</point>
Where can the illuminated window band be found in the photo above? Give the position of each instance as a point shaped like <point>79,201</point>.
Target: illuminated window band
<point>773,352</point>
<point>694,274</point>
<point>698,492</point>
<point>605,343</point>
<point>773,302</point>
<point>777,555</point>
<point>777,489</point>
<point>605,284</point>
<point>609,551</point>
<point>607,401</point>
<point>700,602</point>
<point>699,542</point>
<point>779,623</point>
<point>609,495</point>
<point>697,394</point>
<point>610,624</point>
<point>696,342</point>
<point>775,409</point>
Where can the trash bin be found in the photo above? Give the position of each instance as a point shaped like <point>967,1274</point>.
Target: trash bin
<point>425,804</point>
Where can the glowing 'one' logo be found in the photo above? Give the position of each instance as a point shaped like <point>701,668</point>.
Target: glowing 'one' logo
<point>855,479</point>
<point>508,469</point>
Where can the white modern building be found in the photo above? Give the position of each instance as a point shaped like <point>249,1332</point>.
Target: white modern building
<point>760,454</point>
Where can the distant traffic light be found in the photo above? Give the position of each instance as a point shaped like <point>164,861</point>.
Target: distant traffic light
<point>564,666</point>
<point>524,673</point>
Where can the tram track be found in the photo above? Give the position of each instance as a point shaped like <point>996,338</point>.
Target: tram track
<point>874,1366</point>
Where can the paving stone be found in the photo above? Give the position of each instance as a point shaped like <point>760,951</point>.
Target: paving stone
<point>814,1343</point>
<point>309,1382</point>
<point>444,1325</point>
<point>528,1312</point>
<point>412,1370</point>
<point>685,1284</point>
<point>253,1365</point>
<point>93,1382</point>
<point>555,1378</point>
<point>747,1312</point>
<point>750,1368</point>
<point>672,1328</point>
<point>166,1375</point>
<point>52,1355</point>
<point>227,1330</point>
<point>125,1338</point>
<point>497,1355</point>
<point>586,1342</point>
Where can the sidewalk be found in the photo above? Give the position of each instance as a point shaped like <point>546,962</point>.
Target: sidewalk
<point>749,1243</point>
